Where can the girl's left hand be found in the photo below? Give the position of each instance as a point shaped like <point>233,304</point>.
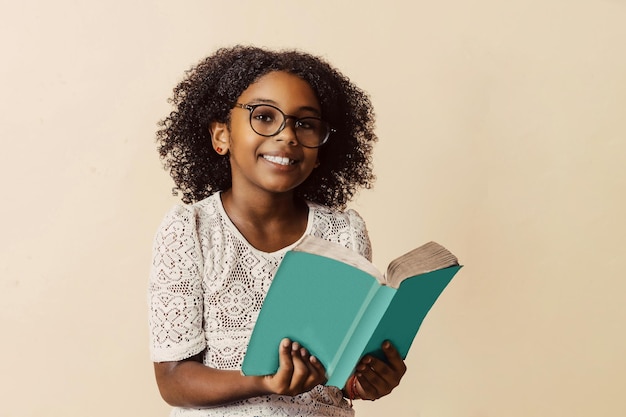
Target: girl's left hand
<point>376,378</point>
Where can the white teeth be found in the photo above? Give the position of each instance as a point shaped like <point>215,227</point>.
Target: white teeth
<point>279,160</point>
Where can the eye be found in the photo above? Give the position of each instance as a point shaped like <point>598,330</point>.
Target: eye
<point>308,123</point>
<point>265,114</point>
<point>263,117</point>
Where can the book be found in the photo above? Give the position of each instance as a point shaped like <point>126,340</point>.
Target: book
<point>338,305</point>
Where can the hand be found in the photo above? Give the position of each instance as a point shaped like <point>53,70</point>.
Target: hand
<point>298,371</point>
<point>376,378</point>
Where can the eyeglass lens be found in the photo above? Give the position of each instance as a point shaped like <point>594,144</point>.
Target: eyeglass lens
<point>269,121</point>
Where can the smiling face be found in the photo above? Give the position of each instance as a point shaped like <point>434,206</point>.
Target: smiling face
<point>275,164</point>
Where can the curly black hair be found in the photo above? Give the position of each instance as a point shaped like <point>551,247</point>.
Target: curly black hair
<point>209,92</point>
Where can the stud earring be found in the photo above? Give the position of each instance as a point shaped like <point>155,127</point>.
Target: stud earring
<point>219,150</point>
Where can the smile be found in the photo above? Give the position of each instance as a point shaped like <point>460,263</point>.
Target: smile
<point>280,160</point>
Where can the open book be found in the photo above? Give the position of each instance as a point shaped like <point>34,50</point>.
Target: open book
<point>340,307</point>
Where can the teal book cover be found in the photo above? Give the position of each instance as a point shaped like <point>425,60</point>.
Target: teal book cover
<point>338,311</point>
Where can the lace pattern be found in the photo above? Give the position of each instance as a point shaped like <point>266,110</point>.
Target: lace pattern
<point>207,285</point>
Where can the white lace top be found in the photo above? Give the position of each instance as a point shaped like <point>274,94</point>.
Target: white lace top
<point>207,285</point>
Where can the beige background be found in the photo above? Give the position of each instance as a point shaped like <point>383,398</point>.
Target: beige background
<point>502,128</point>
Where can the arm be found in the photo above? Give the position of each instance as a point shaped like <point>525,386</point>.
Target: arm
<point>189,383</point>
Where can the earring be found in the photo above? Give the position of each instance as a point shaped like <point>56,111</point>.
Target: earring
<point>219,150</point>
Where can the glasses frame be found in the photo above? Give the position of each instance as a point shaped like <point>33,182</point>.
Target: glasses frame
<point>252,107</point>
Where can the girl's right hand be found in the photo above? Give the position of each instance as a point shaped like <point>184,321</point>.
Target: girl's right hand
<point>298,371</point>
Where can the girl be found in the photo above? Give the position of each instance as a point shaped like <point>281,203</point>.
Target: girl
<point>266,147</point>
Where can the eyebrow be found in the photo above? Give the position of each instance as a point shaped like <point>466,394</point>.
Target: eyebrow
<point>273,103</point>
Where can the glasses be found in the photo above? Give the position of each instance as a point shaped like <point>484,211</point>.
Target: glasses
<point>267,120</point>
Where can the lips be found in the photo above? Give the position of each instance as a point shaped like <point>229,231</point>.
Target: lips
<point>280,160</point>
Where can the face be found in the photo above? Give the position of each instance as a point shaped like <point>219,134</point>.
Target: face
<point>275,164</point>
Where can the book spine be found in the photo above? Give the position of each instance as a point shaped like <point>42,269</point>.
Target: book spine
<point>353,345</point>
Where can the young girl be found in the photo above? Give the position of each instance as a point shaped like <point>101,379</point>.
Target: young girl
<point>266,147</point>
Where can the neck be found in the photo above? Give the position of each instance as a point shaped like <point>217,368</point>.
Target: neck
<point>269,223</point>
<point>262,207</point>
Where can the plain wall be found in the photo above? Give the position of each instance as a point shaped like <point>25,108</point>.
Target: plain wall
<point>502,135</point>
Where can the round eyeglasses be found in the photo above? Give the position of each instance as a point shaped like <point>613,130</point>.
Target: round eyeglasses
<point>267,120</point>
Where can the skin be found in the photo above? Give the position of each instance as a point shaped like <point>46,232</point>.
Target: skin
<point>262,206</point>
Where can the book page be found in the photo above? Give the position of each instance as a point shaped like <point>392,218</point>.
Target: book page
<point>426,258</point>
<point>322,247</point>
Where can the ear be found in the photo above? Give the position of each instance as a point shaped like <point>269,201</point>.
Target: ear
<point>220,137</point>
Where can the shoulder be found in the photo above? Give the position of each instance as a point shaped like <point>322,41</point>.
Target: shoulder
<point>191,213</point>
<point>348,215</point>
<point>346,227</point>
<point>185,222</point>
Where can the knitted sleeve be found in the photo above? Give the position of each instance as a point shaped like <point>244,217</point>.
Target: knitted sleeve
<point>175,289</point>
<point>360,238</point>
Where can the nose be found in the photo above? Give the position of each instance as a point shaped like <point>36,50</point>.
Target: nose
<point>288,132</point>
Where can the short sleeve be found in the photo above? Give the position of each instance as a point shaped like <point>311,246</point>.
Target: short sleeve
<point>175,289</point>
<point>360,238</point>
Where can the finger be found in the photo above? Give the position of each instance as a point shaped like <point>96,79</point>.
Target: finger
<point>314,373</point>
<point>393,358</point>
<point>365,387</point>
<point>285,364</point>
<point>317,366</point>
<point>317,372</point>
<point>310,361</point>
<point>370,373</point>
<point>391,370</point>
<point>379,378</point>
<point>300,359</point>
